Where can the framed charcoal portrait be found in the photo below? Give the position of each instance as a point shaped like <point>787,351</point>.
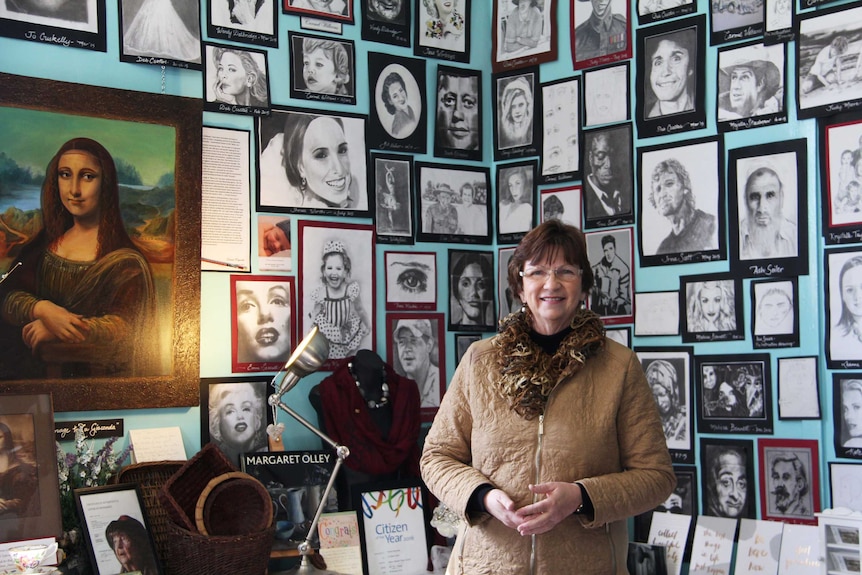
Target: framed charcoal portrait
<point>775,317</point>
<point>516,133</point>
<point>829,80</point>
<point>798,388</point>
<point>670,78</point>
<point>509,302</point>
<point>386,21</point>
<point>337,10</point>
<point>682,203</point>
<point>780,21</point>
<point>845,485</point>
<point>734,393</point>
<point>750,84</point>
<point>462,342</point>
<point>682,501</point>
<point>844,312</point>
<point>471,291</point>
<point>82,24</point>
<point>711,307</point>
<point>516,194</point>
<point>613,283</point>
<point>323,69</point>
<point>607,98</point>
<point>398,115</point>
<point>411,281</point>
<point>453,204</point>
<point>668,373</point>
<point>657,313</point>
<point>602,32</point>
<point>768,196</point>
<point>235,414</point>
<point>733,20</point>
<point>608,177</point>
<point>336,270</point>
<point>650,11</point>
<point>443,30</point>
<point>393,200</point>
<point>563,204</point>
<point>161,33</point>
<point>728,478</point>
<point>840,156</point>
<point>415,346</point>
<point>561,121</point>
<point>236,80</point>
<point>789,480</point>
<point>263,324</point>
<point>290,180</point>
<point>246,21</point>
<point>847,414</point>
<point>458,120</point>
<point>524,33</point>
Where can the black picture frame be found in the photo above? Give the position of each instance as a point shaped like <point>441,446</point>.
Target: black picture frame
<point>682,181</point>
<point>735,20</point>
<point>561,131</point>
<point>392,129</point>
<point>601,40</point>
<point>216,99</point>
<point>387,24</point>
<point>508,301</point>
<point>458,120</point>
<point>734,393</point>
<point>254,411</point>
<point>516,109</point>
<point>843,271</point>
<point>393,198</point>
<point>444,38</point>
<point>307,85</point>
<point>515,217</point>
<point>411,280</point>
<point>684,500</point>
<point>662,50</point>
<point>607,156</point>
<point>339,10</point>
<point>66,26</point>
<point>448,224</point>
<point>137,20</point>
<point>770,168</point>
<point>472,306</point>
<point>511,53</point>
<point>462,342</point>
<point>751,80</point>
<point>799,388</point>
<point>711,308</point>
<point>250,22</point>
<point>607,97</point>
<point>839,153</point>
<point>651,11</point>
<point>846,399</point>
<point>733,458</point>
<point>775,313</point>
<point>612,294</point>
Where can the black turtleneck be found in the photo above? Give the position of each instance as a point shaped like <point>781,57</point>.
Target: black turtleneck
<point>550,343</point>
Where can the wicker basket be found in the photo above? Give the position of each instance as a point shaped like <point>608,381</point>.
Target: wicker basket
<point>233,504</point>
<point>191,553</point>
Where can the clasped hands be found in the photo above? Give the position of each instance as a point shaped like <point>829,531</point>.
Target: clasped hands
<point>556,500</point>
<point>53,322</point>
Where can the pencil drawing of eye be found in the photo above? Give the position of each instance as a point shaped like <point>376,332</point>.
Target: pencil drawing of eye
<point>414,279</point>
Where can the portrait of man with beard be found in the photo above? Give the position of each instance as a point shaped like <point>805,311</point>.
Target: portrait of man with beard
<point>788,485</point>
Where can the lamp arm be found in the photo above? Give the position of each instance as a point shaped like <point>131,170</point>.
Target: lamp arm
<point>274,400</point>
<point>305,547</point>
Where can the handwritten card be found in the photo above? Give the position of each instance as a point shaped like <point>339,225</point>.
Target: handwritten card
<point>340,542</point>
<point>758,546</point>
<point>671,531</point>
<point>800,550</point>
<point>713,546</point>
<point>159,444</point>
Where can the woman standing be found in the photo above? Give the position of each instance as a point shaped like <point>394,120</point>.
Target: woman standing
<point>548,437</point>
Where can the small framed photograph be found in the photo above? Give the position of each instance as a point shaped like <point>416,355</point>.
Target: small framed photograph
<point>443,30</point>
<point>750,84</point>
<point>657,313</point>
<point>236,80</point>
<point>336,268</point>
<point>790,480</point>
<point>116,530</point>
<point>621,335</point>
<point>650,11</point>
<point>561,121</point>
<point>393,200</point>
<point>524,33</point>
<point>471,289</point>
<point>602,33</point>
<point>516,192</point>
<point>509,302</point>
<point>607,98</point>
<point>453,204</point>
<point>161,35</point>
<point>844,312</point>
<point>734,393</point>
<point>246,21</point>
<point>31,505</point>
<point>775,317</point>
<point>462,342</point>
<point>830,72</point>
<point>713,308</point>
<point>733,20</point>
<point>386,21</point>
<point>263,327</point>
<point>337,10</point>
<point>780,23</point>
<point>458,123</point>
<point>682,210</point>
<point>844,482</point>
<point>411,281</point>
<point>608,180</point>
<point>414,342</point>
<point>840,156</point>
<point>727,476</point>
<point>286,175</point>
<point>274,243</point>
<point>613,284</point>
<point>516,133</point>
<point>235,414</point>
<point>668,373</point>
<point>847,414</point>
<point>81,23</point>
<point>323,69</point>
<point>768,196</point>
<point>798,388</point>
<point>562,204</point>
<point>670,78</point>
<point>398,114</point>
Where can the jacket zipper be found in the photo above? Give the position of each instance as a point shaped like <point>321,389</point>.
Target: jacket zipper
<point>536,481</point>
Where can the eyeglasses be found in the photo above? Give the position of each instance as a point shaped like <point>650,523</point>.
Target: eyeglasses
<point>565,274</point>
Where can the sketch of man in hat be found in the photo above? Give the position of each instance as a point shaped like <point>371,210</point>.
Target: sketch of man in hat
<point>754,85</point>
<point>414,344</point>
<point>441,217</point>
<point>603,33</point>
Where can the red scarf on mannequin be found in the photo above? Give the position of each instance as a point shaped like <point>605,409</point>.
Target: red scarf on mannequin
<point>349,423</point>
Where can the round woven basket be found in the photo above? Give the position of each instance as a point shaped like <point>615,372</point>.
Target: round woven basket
<point>233,503</point>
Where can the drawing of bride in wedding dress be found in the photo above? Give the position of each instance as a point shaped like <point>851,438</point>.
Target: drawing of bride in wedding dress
<point>157,30</point>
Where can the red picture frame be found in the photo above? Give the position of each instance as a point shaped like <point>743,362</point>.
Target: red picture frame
<point>779,460</point>
<point>436,377</point>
